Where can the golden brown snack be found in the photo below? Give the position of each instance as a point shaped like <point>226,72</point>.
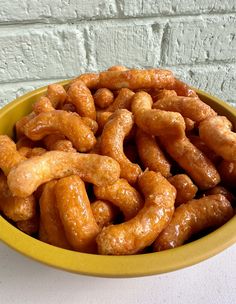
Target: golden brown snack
<point>30,226</point>
<point>136,79</point>
<point>186,190</point>
<point>104,213</point>
<point>15,208</point>
<point>24,179</point>
<point>102,119</point>
<point>191,107</point>
<point>28,152</point>
<point>189,124</point>
<point>182,89</point>
<point>92,124</point>
<point>122,101</point>
<point>21,123</point>
<point>43,105</point>
<point>122,195</point>
<point>208,212</point>
<point>9,156</point>
<point>132,236</point>
<point>25,142</point>
<point>159,94</point>
<point>117,68</point>
<point>97,148</point>
<point>56,94</point>
<point>103,98</point>
<point>51,228</point>
<point>80,96</point>
<point>227,172</point>
<point>156,122</point>
<point>112,138</point>
<point>76,214</point>
<point>222,190</point>
<point>58,142</point>
<point>91,80</point>
<point>62,122</point>
<point>69,107</point>
<point>150,154</point>
<point>216,133</point>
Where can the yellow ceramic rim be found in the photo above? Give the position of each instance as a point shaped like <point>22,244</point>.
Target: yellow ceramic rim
<point>120,266</point>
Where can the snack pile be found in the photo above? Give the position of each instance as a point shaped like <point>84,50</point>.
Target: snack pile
<point>117,163</point>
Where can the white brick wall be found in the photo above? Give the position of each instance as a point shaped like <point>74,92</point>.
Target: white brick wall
<point>43,41</point>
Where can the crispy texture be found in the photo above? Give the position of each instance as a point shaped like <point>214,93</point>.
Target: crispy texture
<point>122,101</point>
<point>62,122</point>
<point>186,190</point>
<point>91,80</point>
<point>15,208</point>
<point>112,138</point>
<point>132,236</point>
<point>216,133</point>
<point>103,98</point>
<point>76,214</point>
<point>56,94</point>
<point>117,68</point>
<point>21,123</point>
<point>182,89</point>
<point>222,190</point>
<point>102,119</point>
<point>80,96</point>
<point>30,226</point>
<point>92,124</point>
<point>159,94</point>
<point>9,156</point>
<point>28,152</point>
<point>227,172</point>
<point>43,105</point>
<point>122,195</point>
<point>24,179</point>
<point>57,142</point>
<point>208,212</point>
<point>189,124</point>
<point>52,230</point>
<point>150,154</point>
<point>104,213</point>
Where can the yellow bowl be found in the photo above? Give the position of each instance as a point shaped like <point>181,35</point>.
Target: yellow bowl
<point>113,266</point>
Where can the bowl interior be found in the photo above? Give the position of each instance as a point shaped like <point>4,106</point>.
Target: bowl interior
<point>113,266</point>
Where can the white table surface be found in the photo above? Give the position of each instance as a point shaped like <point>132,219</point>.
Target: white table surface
<point>25,281</point>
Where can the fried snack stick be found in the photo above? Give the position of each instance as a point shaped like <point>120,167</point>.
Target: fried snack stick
<point>15,208</point>
<point>25,142</point>
<point>91,80</point>
<point>132,236</point>
<point>103,98</point>
<point>222,190</point>
<point>80,96</point>
<point>104,213</point>
<point>57,142</point>
<point>117,68</point>
<point>62,122</point>
<point>122,101</point>
<point>227,172</point>
<point>42,105</point>
<point>208,212</point>
<point>216,133</point>
<point>9,156</point>
<point>182,89</point>
<point>150,154</point>
<point>186,190</point>
<point>189,124</point>
<point>102,119</point>
<point>191,107</point>
<point>31,152</point>
<point>122,195</point>
<point>53,232</point>
<point>112,138</point>
<point>24,179</point>
<point>76,214</point>
<point>56,94</point>
<point>159,94</point>
<point>156,122</point>
<point>19,126</point>
<point>30,226</point>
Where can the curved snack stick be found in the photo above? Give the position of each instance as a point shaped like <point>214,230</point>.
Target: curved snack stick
<point>222,190</point>
<point>80,96</point>
<point>9,156</point>
<point>136,79</point>
<point>91,80</point>
<point>30,226</point>
<point>227,172</point>
<point>191,107</point>
<point>97,148</point>
<point>24,179</point>
<point>122,195</point>
<point>132,236</point>
<point>216,133</point>
<point>159,94</point>
<point>56,94</point>
<point>50,218</point>
<point>62,122</point>
<point>58,142</point>
<point>150,154</point>
<point>21,123</point>
<point>28,152</point>
<point>186,190</point>
<point>182,89</point>
<point>156,122</point>
<point>43,105</point>
<point>103,212</point>
<point>122,101</point>
<point>92,124</point>
<point>103,98</point>
<point>189,124</point>
<point>112,138</point>
<point>15,208</point>
<point>208,212</point>
<point>117,68</point>
<point>75,213</point>
<point>102,119</point>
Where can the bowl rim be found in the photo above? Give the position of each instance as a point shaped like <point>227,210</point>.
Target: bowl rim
<point>118,266</point>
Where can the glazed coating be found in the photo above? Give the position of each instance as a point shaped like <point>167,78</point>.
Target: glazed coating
<point>208,212</point>
<point>50,220</point>
<point>43,105</point>
<point>193,161</point>
<point>69,107</point>
<point>102,119</point>
<point>189,124</point>
<point>25,142</point>
<point>76,214</point>
<point>91,80</point>
<point>30,226</point>
<point>122,101</point>
<point>28,152</point>
<point>80,96</point>
<point>136,79</point>
<point>56,94</point>
<point>104,213</point>
<point>186,190</point>
<point>19,126</point>
<point>9,156</point>
<point>151,154</point>
<point>221,190</point>
<point>182,89</point>
<point>227,172</point>
<point>103,98</point>
<point>62,122</point>
<point>191,107</point>
<point>156,122</point>
<point>159,94</point>
<point>132,236</point>
<point>15,208</point>
<point>117,68</point>
<point>24,179</point>
<point>112,138</point>
<point>58,142</point>
<point>92,124</point>
<point>216,133</point>
<point>122,195</point>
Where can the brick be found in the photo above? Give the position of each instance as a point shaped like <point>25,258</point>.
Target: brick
<point>41,53</point>
<point>142,8</point>
<point>200,40</point>
<point>56,10</point>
